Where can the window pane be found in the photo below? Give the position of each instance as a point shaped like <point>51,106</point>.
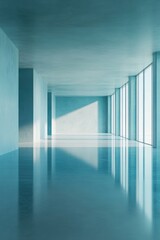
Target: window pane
<point>124,111</point>
<point>148,105</point>
<point>127,110</point>
<point>140,107</point>
<point>114,113</point>
<point>121,112</point>
<point>137,108</point>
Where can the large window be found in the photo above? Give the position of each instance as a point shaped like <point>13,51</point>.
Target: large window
<point>144,106</point>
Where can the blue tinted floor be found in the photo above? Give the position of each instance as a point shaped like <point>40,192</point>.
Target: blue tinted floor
<point>80,189</point>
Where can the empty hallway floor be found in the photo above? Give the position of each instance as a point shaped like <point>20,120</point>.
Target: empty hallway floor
<point>94,187</point>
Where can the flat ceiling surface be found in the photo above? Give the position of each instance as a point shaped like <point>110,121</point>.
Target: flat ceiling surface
<point>83,47</point>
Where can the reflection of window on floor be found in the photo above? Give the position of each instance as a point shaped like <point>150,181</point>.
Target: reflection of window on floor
<point>144,180</point>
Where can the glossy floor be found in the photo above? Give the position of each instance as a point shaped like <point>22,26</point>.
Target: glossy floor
<point>80,188</point>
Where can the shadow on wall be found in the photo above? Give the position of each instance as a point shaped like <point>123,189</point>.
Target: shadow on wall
<point>81,115</point>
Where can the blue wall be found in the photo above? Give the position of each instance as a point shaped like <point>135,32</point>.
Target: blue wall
<point>8,95</point>
<point>85,115</point>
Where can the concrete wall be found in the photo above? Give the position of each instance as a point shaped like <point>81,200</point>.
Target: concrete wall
<point>81,115</point>
<point>8,95</point>
<point>32,106</point>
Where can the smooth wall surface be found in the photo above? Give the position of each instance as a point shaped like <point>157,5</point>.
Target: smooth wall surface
<point>8,95</point>
<point>82,115</point>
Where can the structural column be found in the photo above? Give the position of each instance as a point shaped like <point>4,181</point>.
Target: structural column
<point>51,113</point>
<point>109,114</point>
<point>132,108</point>
<point>117,111</point>
<point>49,117</point>
<point>156,99</point>
<point>26,105</point>
<point>32,106</point>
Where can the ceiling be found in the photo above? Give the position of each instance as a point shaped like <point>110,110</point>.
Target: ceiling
<point>86,47</point>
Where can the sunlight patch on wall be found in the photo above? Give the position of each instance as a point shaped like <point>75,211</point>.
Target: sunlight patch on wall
<point>82,120</point>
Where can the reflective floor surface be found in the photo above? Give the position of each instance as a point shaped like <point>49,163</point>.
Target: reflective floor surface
<point>80,188</point>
